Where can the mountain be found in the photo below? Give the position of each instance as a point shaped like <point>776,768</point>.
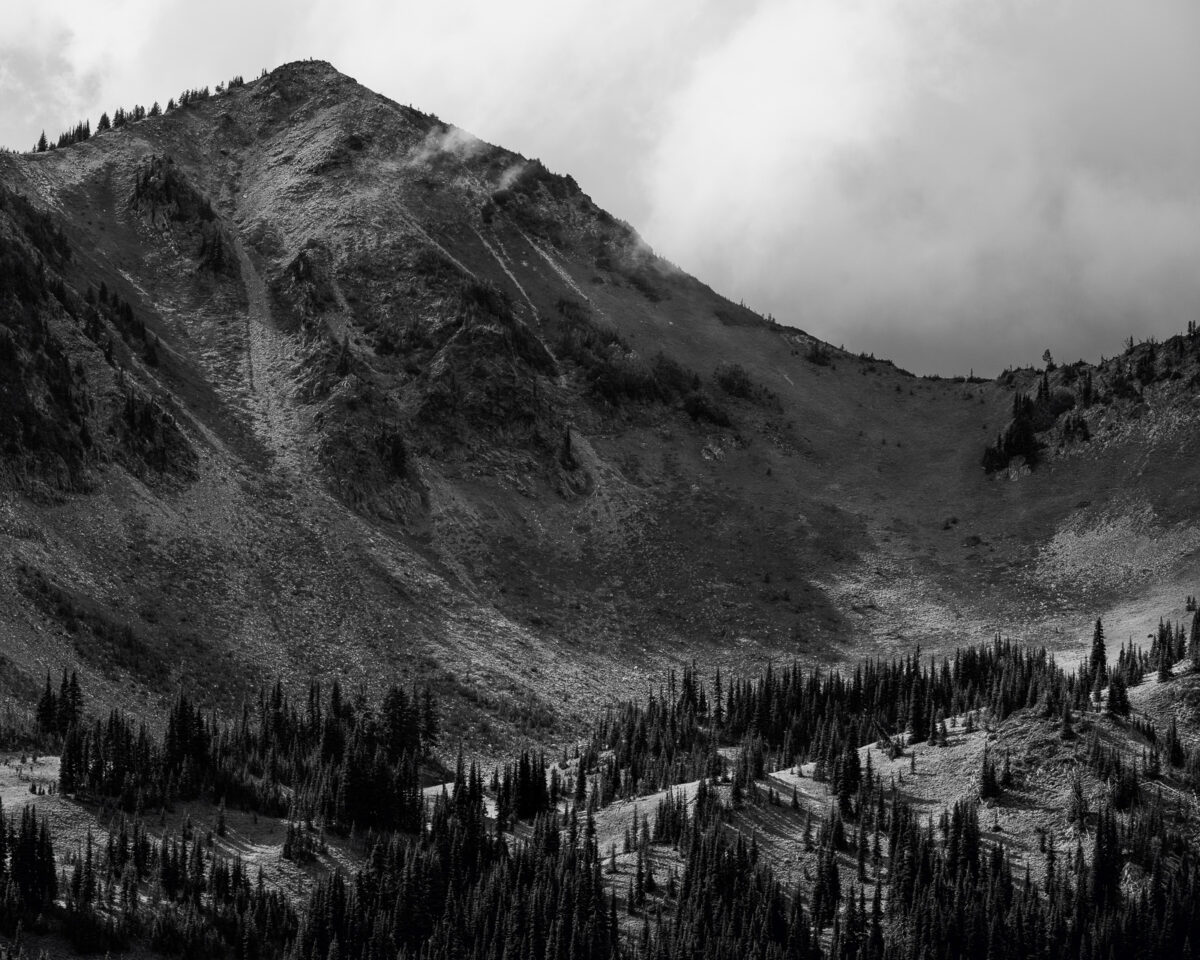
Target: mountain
<point>302,383</point>
<point>334,441</point>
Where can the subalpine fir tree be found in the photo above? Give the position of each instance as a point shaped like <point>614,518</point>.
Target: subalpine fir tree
<point>1098,663</point>
<point>1067,723</point>
<point>875,935</point>
<point>1106,861</point>
<point>1098,688</point>
<point>989,784</point>
<point>827,890</point>
<point>66,716</point>
<point>1118,696</point>
<point>47,709</point>
<point>651,883</point>
<point>87,892</point>
<point>1194,641</point>
<point>847,777</point>
<point>1173,747</point>
<point>1165,662</point>
<point>918,720</point>
<point>580,794</point>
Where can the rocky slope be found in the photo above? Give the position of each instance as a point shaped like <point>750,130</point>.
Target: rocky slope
<point>298,381</point>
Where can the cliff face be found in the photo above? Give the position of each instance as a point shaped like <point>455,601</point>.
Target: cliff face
<point>297,381</point>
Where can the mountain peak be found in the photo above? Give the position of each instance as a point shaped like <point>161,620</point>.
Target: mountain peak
<point>376,336</point>
<point>306,67</point>
<point>315,72</point>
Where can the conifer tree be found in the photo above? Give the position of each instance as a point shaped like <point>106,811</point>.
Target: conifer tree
<point>827,891</point>
<point>1165,662</point>
<point>918,722</point>
<point>1067,722</point>
<point>1172,746</point>
<point>1099,658</point>
<point>1118,696</point>
<point>47,709</point>
<point>989,785</point>
<point>1106,861</point>
<point>847,777</point>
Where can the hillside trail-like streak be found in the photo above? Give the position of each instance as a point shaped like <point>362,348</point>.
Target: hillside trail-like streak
<point>270,356</point>
<point>507,272</point>
<point>271,360</point>
<point>559,270</point>
<point>563,274</point>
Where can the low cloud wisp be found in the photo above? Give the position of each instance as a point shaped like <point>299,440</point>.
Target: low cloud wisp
<point>955,184</point>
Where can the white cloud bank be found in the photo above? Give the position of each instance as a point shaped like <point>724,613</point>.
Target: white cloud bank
<point>953,183</point>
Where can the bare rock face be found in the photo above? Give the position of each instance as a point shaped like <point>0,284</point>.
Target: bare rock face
<point>296,380</point>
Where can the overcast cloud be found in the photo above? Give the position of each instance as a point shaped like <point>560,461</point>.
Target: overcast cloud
<point>952,183</point>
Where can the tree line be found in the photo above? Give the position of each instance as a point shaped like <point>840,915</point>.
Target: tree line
<point>340,762</point>
<point>82,131</point>
<point>525,878</point>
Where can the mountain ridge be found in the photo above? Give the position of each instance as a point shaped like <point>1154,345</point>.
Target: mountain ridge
<point>426,408</point>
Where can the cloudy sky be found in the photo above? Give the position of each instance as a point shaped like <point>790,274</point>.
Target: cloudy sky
<point>955,184</point>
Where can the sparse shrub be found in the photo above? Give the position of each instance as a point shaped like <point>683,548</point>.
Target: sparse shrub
<point>819,354</point>
<point>735,381</point>
<point>700,406</point>
<point>1075,429</point>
